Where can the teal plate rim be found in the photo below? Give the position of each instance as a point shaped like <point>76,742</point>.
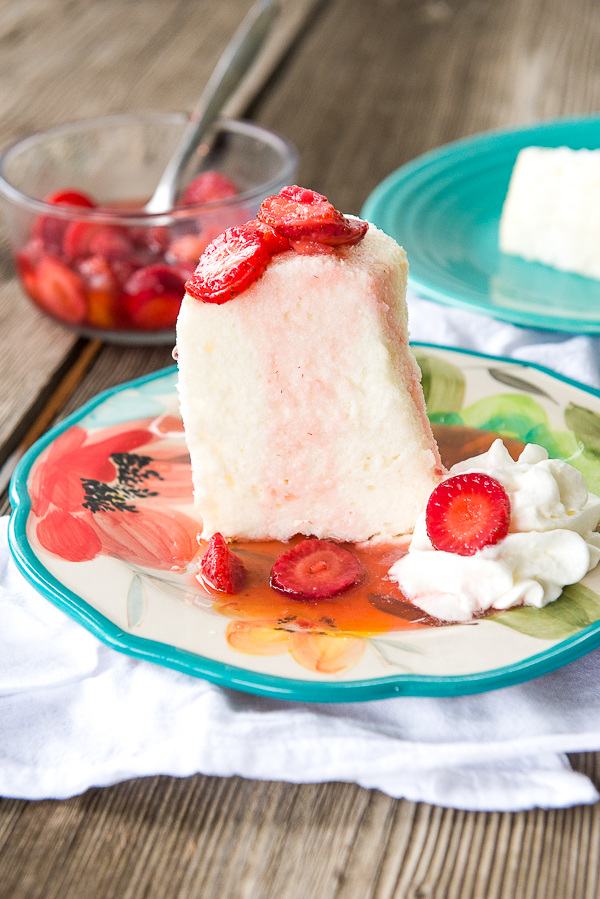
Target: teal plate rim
<point>225,675</point>
<point>474,147</point>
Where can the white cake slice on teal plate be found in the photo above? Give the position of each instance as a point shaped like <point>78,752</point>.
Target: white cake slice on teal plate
<point>302,402</point>
<point>552,210</point>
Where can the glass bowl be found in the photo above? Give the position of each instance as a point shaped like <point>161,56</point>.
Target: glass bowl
<point>110,270</point>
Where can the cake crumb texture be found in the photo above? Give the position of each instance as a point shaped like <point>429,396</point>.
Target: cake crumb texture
<point>552,210</point>
<point>302,402</point>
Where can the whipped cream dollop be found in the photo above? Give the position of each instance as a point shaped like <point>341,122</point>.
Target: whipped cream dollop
<point>552,541</point>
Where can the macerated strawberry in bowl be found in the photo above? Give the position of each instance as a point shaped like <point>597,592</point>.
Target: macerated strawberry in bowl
<point>85,250</point>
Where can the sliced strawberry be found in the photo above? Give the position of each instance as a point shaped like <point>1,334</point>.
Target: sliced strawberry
<point>102,290</point>
<point>208,187</point>
<point>273,241</point>
<point>467,512</point>
<point>154,296</point>
<point>311,248</point>
<point>103,309</point>
<point>52,230</point>
<point>188,248</point>
<point>315,568</point>
<point>304,215</point>
<point>97,274</point>
<point>92,238</point>
<point>27,261</point>
<point>70,197</point>
<point>154,241</point>
<point>221,568</point>
<point>158,239</point>
<point>60,291</point>
<point>123,269</point>
<point>229,265</point>
<point>111,244</point>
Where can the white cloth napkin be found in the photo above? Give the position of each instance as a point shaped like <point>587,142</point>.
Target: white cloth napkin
<point>74,713</point>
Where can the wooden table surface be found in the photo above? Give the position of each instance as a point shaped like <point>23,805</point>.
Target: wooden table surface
<point>360,86</point>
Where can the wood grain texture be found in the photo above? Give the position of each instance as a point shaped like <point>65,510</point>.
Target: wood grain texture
<point>226,837</point>
<point>371,84</point>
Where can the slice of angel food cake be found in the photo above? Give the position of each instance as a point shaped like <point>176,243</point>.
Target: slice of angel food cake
<point>310,443</point>
<point>551,213</point>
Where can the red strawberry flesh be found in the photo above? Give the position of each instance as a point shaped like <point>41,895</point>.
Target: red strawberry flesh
<point>315,569</point>
<point>229,265</point>
<point>50,229</point>
<point>208,187</point>
<point>153,297</point>
<point>220,568</point>
<point>60,291</point>
<point>70,197</point>
<point>304,215</point>
<point>467,512</point>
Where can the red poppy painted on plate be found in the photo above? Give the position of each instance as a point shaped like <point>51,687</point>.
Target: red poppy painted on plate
<point>109,492</point>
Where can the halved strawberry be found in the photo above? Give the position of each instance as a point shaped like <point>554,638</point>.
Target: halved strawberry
<point>221,568</point>
<point>60,291</point>
<point>208,187</point>
<point>154,296</point>
<point>315,569</point>
<point>304,216</point>
<point>467,512</point>
<point>230,264</point>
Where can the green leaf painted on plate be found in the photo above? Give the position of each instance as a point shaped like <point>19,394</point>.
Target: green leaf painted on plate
<point>575,609</point>
<point>589,466</point>
<point>519,383</point>
<point>443,383</point>
<point>543,436</point>
<point>568,445</point>
<point>393,654</point>
<point>508,414</point>
<point>136,602</point>
<point>585,424</point>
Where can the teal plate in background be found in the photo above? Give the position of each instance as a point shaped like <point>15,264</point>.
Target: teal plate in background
<point>103,526</point>
<point>444,208</point>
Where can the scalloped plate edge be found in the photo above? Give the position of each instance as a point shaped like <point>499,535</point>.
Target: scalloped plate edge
<point>225,675</point>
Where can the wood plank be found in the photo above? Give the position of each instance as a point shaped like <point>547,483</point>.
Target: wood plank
<point>228,837</point>
<point>45,345</point>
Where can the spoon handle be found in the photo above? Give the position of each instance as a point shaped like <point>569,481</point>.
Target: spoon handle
<point>237,58</point>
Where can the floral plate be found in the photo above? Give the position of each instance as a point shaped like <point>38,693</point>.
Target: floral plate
<point>103,526</point>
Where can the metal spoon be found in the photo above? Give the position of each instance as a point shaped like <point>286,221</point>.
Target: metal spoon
<point>237,58</point>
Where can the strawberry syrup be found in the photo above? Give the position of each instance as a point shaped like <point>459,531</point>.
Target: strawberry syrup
<point>373,606</point>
